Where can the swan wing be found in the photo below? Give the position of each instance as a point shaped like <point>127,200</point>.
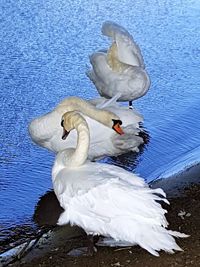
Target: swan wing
<point>121,208</point>
<point>115,144</point>
<point>130,141</point>
<point>99,73</point>
<point>132,83</point>
<point>100,66</point>
<point>127,85</point>
<point>138,81</point>
<point>128,51</point>
<point>98,83</point>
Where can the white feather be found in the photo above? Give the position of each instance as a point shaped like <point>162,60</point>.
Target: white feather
<point>109,201</point>
<point>121,69</point>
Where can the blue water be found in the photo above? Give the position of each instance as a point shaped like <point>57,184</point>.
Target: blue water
<point>44,52</point>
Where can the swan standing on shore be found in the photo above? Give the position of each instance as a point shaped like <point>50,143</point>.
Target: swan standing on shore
<point>107,200</point>
<point>119,71</point>
<point>46,131</point>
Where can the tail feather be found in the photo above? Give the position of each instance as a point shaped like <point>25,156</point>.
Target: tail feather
<point>157,239</point>
<point>177,234</point>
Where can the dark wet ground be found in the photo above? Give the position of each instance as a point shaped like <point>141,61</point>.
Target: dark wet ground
<point>17,235</point>
<point>189,202</point>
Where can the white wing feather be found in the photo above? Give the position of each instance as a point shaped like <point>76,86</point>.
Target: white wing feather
<point>119,206</point>
<point>128,51</point>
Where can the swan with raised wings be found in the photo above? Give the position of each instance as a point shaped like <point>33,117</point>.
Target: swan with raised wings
<point>120,71</point>
<point>45,130</point>
<point>107,200</point>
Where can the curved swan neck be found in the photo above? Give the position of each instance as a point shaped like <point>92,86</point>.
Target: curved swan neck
<point>71,158</point>
<point>83,140</point>
<point>80,105</point>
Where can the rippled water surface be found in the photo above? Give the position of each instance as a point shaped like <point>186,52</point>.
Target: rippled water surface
<point>44,52</point>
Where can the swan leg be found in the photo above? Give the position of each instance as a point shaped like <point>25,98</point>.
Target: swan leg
<point>109,102</point>
<point>130,104</point>
<point>91,245</point>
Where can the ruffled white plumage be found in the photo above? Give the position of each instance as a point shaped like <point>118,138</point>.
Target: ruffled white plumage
<point>107,200</point>
<point>120,70</point>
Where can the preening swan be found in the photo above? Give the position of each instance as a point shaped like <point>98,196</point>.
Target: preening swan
<point>46,131</point>
<point>107,200</point>
<point>119,71</point>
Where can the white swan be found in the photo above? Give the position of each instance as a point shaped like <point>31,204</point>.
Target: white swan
<point>120,71</point>
<point>107,200</point>
<point>45,130</point>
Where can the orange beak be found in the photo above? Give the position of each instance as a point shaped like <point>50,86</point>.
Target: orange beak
<point>118,128</point>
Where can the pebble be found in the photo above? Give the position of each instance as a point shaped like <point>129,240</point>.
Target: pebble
<point>183,214</point>
<point>116,264</point>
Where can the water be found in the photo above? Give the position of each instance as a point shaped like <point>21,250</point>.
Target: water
<point>44,52</point>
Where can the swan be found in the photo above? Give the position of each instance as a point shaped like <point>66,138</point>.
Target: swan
<point>120,71</point>
<point>45,130</point>
<point>107,200</point>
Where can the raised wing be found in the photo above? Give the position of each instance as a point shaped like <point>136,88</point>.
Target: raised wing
<point>128,51</point>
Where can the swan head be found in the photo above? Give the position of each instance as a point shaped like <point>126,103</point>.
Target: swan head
<point>117,126</point>
<point>71,120</point>
<point>112,121</point>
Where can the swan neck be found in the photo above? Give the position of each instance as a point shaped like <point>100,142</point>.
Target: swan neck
<point>80,105</point>
<point>80,154</point>
<point>72,158</point>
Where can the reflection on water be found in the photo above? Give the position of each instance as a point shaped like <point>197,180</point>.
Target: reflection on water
<point>43,56</point>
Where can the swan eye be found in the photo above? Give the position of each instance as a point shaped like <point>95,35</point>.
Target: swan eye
<point>117,121</point>
<point>62,123</point>
<point>116,126</point>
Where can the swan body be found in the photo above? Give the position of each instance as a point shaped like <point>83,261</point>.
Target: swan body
<point>121,70</point>
<point>46,130</point>
<point>107,200</point>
